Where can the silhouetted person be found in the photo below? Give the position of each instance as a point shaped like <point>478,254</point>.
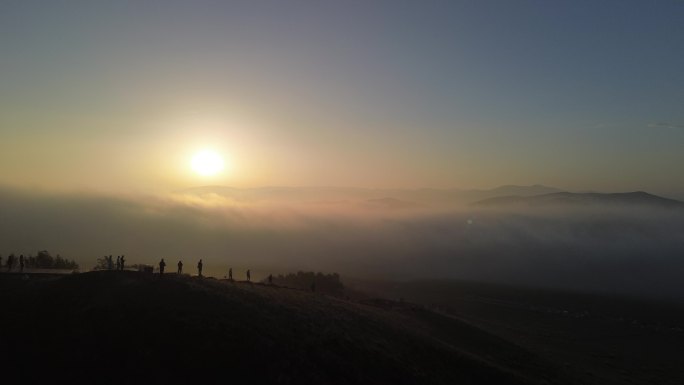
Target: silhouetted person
<point>199,267</point>
<point>21,263</point>
<point>230,273</point>
<point>270,279</point>
<point>122,262</point>
<point>118,262</point>
<point>180,267</point>
<point>110,264</point>
<point>249,276</point>
<point>10,262</point>
<point>162,265</point>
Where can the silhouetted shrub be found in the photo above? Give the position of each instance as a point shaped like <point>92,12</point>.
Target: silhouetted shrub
<point>102,264</point>
<point>46,261</point>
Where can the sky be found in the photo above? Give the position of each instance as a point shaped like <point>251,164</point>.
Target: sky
<point>119,96</point>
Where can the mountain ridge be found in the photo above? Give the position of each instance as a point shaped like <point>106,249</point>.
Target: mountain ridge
<point>635,198</point>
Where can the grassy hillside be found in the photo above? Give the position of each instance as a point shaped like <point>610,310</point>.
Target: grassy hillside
<point>130,327</point>
<point>604,339</point>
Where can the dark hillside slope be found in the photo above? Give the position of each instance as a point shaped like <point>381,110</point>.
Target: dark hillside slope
<point>110,327</point>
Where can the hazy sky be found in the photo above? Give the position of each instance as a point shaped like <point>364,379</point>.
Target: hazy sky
<point>120,95</point>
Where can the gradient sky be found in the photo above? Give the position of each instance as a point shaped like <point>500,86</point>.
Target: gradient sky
<point>580,95</point>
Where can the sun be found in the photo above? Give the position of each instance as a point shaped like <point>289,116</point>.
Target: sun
<point>207,163</point>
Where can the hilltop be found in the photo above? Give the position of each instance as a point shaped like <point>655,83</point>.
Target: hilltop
<point>131,327</point>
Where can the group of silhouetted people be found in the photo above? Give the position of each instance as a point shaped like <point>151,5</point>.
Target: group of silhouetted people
<point>120,262</point>
<point>230,274</point>
<point>248,274</point>
<point>200,265</point>
<point>120,265</point>
<point>11,261</point>
<point>162,266</point>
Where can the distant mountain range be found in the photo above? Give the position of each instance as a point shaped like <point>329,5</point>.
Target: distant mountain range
<point>504,196</point>
<point>374,197</point>
<point>638,198</point>
<point>390,203</point>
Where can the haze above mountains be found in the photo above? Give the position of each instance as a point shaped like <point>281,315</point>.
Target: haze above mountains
<point>629,243</point>
<point>503,196</point>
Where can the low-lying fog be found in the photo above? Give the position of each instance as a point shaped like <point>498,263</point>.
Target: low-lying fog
<point>635,249</point>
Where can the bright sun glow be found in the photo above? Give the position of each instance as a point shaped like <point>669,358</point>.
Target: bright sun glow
<point>207,163</point>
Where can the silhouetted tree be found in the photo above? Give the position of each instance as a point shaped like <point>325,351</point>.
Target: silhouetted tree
<point>45,261</point>
<point>102,263</point>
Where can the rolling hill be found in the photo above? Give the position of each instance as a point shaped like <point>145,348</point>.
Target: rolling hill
<point>128,327</point>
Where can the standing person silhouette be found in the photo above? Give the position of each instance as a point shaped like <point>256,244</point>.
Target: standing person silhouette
<point>10,262</point>
<point>199,267</point>
<point>162,265</point>
<point>180,267</point>
<point>118,262</point>
<point>230,273</point>
<point>122,262</point>
<point>249,276</point>
<point>110,264</point>
<point>21,263</point>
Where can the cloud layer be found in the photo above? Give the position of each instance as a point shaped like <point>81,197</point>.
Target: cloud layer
<point>665,125</point>
<point>623,249</point>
